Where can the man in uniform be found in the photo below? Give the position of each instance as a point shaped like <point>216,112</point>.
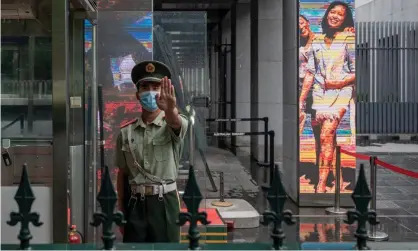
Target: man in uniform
<point>148,150</point>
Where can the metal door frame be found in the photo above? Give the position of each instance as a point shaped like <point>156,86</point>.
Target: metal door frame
<point>60,121</point>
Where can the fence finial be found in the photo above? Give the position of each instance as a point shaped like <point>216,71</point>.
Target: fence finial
<point>24,198</point>
<point>276,197</point>
<point>107,199</point>
<point>361,197</point>
<point>192,198</point>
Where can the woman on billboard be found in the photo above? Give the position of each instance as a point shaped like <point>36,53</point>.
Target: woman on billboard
<point>306,37</point>
<point>330,72</point>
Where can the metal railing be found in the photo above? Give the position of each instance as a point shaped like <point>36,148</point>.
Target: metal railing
<point>387,77</point>
<point>26,88</point>
<point>107,198</point>
<point>269,164</point>
<point>266,129</point>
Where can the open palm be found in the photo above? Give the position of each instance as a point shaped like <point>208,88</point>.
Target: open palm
<point>166,100</point>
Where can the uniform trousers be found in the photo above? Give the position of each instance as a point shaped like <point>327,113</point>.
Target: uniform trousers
<point>153,219</point>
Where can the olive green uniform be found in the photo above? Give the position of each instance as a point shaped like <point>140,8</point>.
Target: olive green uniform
<point>152,209</point>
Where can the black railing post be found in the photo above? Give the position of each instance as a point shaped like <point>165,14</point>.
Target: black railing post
<point>375,235</point>
<point>266,138</point>
<point>277,198</point>
<point>271,134</point>
<point>107,199</point>
<point>24,198</point>
<point>361,197</point>
<point>22,124</point>
<point>270,163</point>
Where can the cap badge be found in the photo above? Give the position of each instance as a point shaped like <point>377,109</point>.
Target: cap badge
<point>150,68</point>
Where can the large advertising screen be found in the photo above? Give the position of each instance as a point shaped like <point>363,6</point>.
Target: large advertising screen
<point>326,94</point>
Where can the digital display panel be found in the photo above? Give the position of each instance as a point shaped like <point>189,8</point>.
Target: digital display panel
<point>326,94</point>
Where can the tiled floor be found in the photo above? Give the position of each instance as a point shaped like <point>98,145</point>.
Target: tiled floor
<point>397,204</point>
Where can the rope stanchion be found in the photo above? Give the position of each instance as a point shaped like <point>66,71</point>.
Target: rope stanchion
<point>397,169</point>
<point>336,209</point>
<point>221,202</point>
<point>373,234</point>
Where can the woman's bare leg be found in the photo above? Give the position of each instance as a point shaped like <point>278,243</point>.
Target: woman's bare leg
<point>316,128</point>
<point>337,123</point>
<point>328,143</point>
<point>325,157</point>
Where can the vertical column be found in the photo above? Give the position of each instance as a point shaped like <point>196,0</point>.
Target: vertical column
<point>290,97</point>
<point>31,83</point>
<point>254,73</point>
<point>270,63</point>
<point>214,70</point>
<point>220,82</point>
<point>93,165</point>
<point>243,71</point>
<point>78,175</point>
<point>233,73</point>
<point>60,111</point>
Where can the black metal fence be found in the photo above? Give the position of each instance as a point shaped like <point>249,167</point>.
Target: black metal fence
<point>107,198</point>
<point>387,77</point>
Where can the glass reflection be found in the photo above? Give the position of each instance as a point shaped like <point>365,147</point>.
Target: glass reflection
<point>26,118</point>
<point>125,39</point>
<point>26,91</point>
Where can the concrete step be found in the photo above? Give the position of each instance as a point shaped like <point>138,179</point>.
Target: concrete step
<point>242,213</point>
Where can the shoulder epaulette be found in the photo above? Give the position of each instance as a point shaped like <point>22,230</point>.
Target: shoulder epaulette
<point>128,123</point>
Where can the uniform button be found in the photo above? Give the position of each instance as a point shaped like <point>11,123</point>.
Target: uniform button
<point>146,162</point>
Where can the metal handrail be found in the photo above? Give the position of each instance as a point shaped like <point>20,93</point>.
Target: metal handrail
<point>20,118</point>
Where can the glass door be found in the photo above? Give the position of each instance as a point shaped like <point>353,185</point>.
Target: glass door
<point>26,121</point>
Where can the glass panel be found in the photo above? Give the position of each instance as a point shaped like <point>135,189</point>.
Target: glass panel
<point>90,158</point>
<point>26,92</point>
<point>180,41</point>
<point>125,38</point>
<point>26,120</point>
<point>79,176</point>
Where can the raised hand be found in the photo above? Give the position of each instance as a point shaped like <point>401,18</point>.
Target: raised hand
<point>166,100</point>
<point>350,30</point>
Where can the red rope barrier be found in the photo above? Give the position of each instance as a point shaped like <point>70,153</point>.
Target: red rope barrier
<point>357,155</point>
<point>397,169</point>
<point>391,167</point>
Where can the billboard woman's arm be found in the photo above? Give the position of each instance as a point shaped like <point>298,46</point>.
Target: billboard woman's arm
<point>350,78</point>
<point>306,86</point>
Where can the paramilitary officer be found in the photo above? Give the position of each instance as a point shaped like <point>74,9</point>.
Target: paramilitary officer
<point>148,150</point>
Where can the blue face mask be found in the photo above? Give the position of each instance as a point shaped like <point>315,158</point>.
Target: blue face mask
<point>148,101</point>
